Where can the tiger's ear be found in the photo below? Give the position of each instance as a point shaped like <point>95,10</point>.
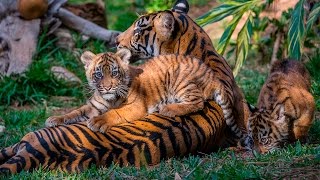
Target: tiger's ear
<point>282,117</point>
<point>181,6</point>
<point>86,58</point>
<point>164,26</point>
<point>252,108</point>
<point>124,54</point>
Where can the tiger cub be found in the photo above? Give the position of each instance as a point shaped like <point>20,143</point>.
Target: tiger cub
<point>172,85</point>
<point>285,107</point>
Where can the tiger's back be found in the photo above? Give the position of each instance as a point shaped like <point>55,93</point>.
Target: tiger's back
<point>170,78</point>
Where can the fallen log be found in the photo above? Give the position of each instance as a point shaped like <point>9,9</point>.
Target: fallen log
<point>86,27</point>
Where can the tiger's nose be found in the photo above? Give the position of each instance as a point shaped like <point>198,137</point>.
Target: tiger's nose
<point>260,149</point>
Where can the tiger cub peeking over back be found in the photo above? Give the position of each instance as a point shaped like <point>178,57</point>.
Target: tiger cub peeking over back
<point>285,107</point>
<point>173,85</point>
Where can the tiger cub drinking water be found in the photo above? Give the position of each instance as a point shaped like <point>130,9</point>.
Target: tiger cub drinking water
<point>285,107</point>
<point>172,85</point>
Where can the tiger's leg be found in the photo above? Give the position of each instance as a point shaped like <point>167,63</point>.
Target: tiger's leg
<point>189,101</point>
<point>95,106</point>
<point>78,115</point>
<point>225,100</point>
<point>105,121</point>
<point>304,118</point>
<point>8,152</point>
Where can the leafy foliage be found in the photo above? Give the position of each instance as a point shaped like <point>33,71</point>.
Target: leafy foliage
<point>314,14</point>
<point>296,30</point>
<point>239,10</point>
<point>313,66</point>
<point>250,11</point>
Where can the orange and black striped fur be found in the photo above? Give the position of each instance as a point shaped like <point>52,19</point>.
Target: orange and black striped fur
<point>74,147</point>
<point>146,141</point>
<point>174,32</point>
<point>285,107</point>
<point>172,85</point>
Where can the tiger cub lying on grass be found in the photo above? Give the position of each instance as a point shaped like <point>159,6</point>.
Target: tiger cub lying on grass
<point>172,85</point>
<point>285,107</point>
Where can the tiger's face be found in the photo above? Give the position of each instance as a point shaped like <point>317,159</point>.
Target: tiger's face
<point>268,130</point>
<point>148,33</point>
<point>160,32</point>
<point>107,73</point>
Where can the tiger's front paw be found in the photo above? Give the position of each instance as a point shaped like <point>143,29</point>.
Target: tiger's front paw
<point>53,121</point>
<point>98,124</point>
<point>170,111</point>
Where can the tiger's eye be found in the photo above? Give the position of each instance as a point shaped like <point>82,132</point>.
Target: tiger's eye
<point>137,31</point>
<point>98,75</point>
<point>114,73</point>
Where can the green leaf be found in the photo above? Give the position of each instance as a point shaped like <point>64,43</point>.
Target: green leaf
<point>225,38</point>
<point>243,42</point>
<point>296,31</point>
<point>314,14</point>
<point>223,11</point>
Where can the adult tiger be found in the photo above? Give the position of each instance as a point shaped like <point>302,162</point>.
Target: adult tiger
<point>173,31</point>
<point>74,147</point>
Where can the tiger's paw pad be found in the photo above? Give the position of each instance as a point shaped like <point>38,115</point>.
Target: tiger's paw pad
<point>53,121</point>
<point>169,112</point>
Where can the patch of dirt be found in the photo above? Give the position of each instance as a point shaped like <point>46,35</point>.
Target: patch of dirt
<point>62,104</point>
<point>56,111</point>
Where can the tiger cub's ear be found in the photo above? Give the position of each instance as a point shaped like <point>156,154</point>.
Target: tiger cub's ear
<point>181,6</point>
<point>282,116</point>
<point>252,108</point>
<point>124,54</point>
<point>164,25</point>
<point>86,58</point>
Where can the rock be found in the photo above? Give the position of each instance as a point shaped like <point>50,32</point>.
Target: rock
<point>93,12</point>
<point>65,75</point>
<point>65,39</point>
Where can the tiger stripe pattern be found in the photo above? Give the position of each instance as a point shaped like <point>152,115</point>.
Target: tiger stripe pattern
<point>174,32</point>
<point>285,109</point>
<point>74,147</point>
<point>180,86</point>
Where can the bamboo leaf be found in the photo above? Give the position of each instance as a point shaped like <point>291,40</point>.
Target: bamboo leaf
<point>225,38</point>
<point>296,31</point>
<point>314,14</point>
<point>243,42</point>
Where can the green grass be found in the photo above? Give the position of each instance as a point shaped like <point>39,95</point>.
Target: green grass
<point>36,89</point>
